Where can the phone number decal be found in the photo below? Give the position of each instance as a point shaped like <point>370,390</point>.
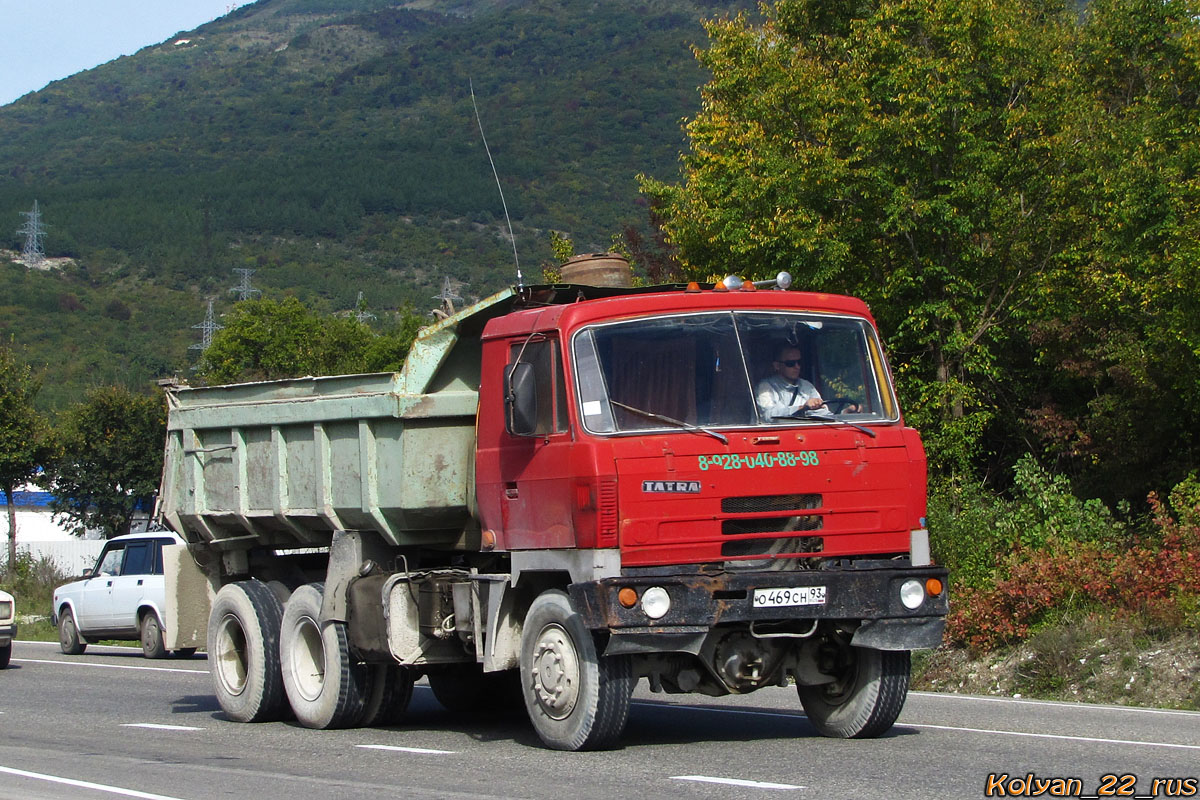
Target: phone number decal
<point>803,458</point>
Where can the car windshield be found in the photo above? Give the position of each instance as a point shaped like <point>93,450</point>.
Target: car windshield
<point>730,368</point>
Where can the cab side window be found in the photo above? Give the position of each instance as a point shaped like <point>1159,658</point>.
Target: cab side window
<point>546,361</point>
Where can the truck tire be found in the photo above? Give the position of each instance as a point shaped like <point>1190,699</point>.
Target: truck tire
<point>389,690</point>
<point>151,634</point>
<point>866,699</point>
<point>575,699</point>
<point>325,685</point>
<point>69,640</point>
<point>243,652</point>
<point>5,655</point>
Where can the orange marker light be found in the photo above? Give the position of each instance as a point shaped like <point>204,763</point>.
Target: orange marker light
<point>627,597</point>
<point>748,286</point>
<point>720,287</point>
<point>933,587</point>
<point>692,287</point>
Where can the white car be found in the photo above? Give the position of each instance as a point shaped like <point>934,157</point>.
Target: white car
<point>8,627</point>
<point>122,597</point>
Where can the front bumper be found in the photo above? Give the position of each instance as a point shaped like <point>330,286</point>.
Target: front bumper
<point>8,632</point>
<point>703,600</point>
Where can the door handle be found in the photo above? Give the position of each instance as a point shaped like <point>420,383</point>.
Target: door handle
<point>139,583</point>
<point>511,492</point>
<point>109,584</point>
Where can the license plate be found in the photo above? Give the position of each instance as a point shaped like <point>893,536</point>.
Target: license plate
<point>791,596</point>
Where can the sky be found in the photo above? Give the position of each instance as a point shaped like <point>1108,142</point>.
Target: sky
<point>45,40</point>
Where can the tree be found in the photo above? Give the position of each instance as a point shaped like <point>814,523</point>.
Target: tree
<point>268,339</point>
<point>25,445</point>
<point>111,447</point>
<point>893,149</point>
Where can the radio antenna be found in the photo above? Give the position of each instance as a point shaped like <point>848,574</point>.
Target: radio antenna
<point>512,236</point>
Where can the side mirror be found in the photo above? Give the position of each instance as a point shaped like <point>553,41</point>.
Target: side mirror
<point>520,399</point>
<point>90,572</point>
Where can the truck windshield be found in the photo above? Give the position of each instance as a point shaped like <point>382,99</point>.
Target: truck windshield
<point>731,369</point>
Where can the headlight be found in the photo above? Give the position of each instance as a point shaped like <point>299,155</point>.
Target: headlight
<point>912,594</point>
<point>6,609</point>
<point>656,602</point>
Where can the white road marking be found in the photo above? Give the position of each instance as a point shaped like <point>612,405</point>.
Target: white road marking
<point>903,724</point>
<point>107,666</point>
<point>736,782</point>
<point>156,726</point>
<point>100,787</point>
<point>1051,736</point>
<point>423,750</point>
<point>1057,703</point>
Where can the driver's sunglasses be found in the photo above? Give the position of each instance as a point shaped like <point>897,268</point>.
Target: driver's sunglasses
<point>794,362</point>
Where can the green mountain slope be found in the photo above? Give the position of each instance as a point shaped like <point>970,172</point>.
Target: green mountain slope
<point>332,146</point>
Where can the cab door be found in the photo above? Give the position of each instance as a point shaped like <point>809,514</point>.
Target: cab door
<point>535,465</point>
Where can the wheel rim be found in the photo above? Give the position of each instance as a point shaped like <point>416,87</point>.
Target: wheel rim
<point>838,692</point>
<point>148,631</point>
<point>66,631</point>
<point>308,659</point>
<point>231,658</point>
<point>555,672</point>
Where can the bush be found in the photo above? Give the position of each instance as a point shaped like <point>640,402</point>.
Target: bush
<point>32,581</point>
<point>1158,579</point>
<point>973,529</point>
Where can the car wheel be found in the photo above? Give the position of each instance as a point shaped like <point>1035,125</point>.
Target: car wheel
<point>325,685</point>
<point>5,655</point>
<point>243,652</point>
<point>152,638</point>
<point>69,640</point>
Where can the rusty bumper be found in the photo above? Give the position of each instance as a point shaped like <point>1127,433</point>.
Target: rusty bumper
<point>700,602</point>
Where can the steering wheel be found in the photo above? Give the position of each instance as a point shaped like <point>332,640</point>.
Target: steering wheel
<point>839,404</point>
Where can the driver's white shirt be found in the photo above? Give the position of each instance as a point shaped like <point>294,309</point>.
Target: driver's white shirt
<point>778,398</point>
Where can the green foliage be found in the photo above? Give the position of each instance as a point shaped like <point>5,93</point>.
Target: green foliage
<point>25,444</point>
<point>111,447</point>
<point>978,534</point>
<point>31,581</point>
<point>268,339</point>
<point>1009,185</point>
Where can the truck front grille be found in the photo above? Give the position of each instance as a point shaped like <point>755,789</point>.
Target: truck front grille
<point>770,502</point>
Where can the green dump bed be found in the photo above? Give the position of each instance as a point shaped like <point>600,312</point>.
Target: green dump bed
<point>286,463</point>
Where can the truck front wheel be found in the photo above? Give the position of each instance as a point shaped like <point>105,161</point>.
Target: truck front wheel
<point>867,696</point>
<point>243,651</point>
<point>575,699</point>
<point>326,687</point>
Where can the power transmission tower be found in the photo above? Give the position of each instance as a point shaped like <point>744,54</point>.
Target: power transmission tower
<point>244,290</point>
<point>449,296</point>
<point>360,309</point>
<point>207,328</point>
<point>34,231</point>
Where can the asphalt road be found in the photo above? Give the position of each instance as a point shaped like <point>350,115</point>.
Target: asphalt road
<point>111,724</point>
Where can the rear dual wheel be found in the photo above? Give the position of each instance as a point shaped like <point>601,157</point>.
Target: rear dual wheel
<point>243,652</point>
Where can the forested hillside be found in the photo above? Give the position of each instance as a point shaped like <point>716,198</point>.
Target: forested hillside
<point>332,146</point>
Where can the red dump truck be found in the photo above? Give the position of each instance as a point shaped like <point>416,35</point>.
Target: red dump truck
<point>567,489</point>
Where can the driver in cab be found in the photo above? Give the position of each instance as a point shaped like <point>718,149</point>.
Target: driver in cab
<point>785,393</point>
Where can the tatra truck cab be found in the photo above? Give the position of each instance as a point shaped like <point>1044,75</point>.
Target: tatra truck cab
<point>566,490</point>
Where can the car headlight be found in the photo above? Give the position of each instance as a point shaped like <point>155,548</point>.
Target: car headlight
<point>6,609</point>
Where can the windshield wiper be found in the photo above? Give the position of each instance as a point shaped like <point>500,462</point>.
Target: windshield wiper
<point>823,414</point>
<point>687,426</point>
